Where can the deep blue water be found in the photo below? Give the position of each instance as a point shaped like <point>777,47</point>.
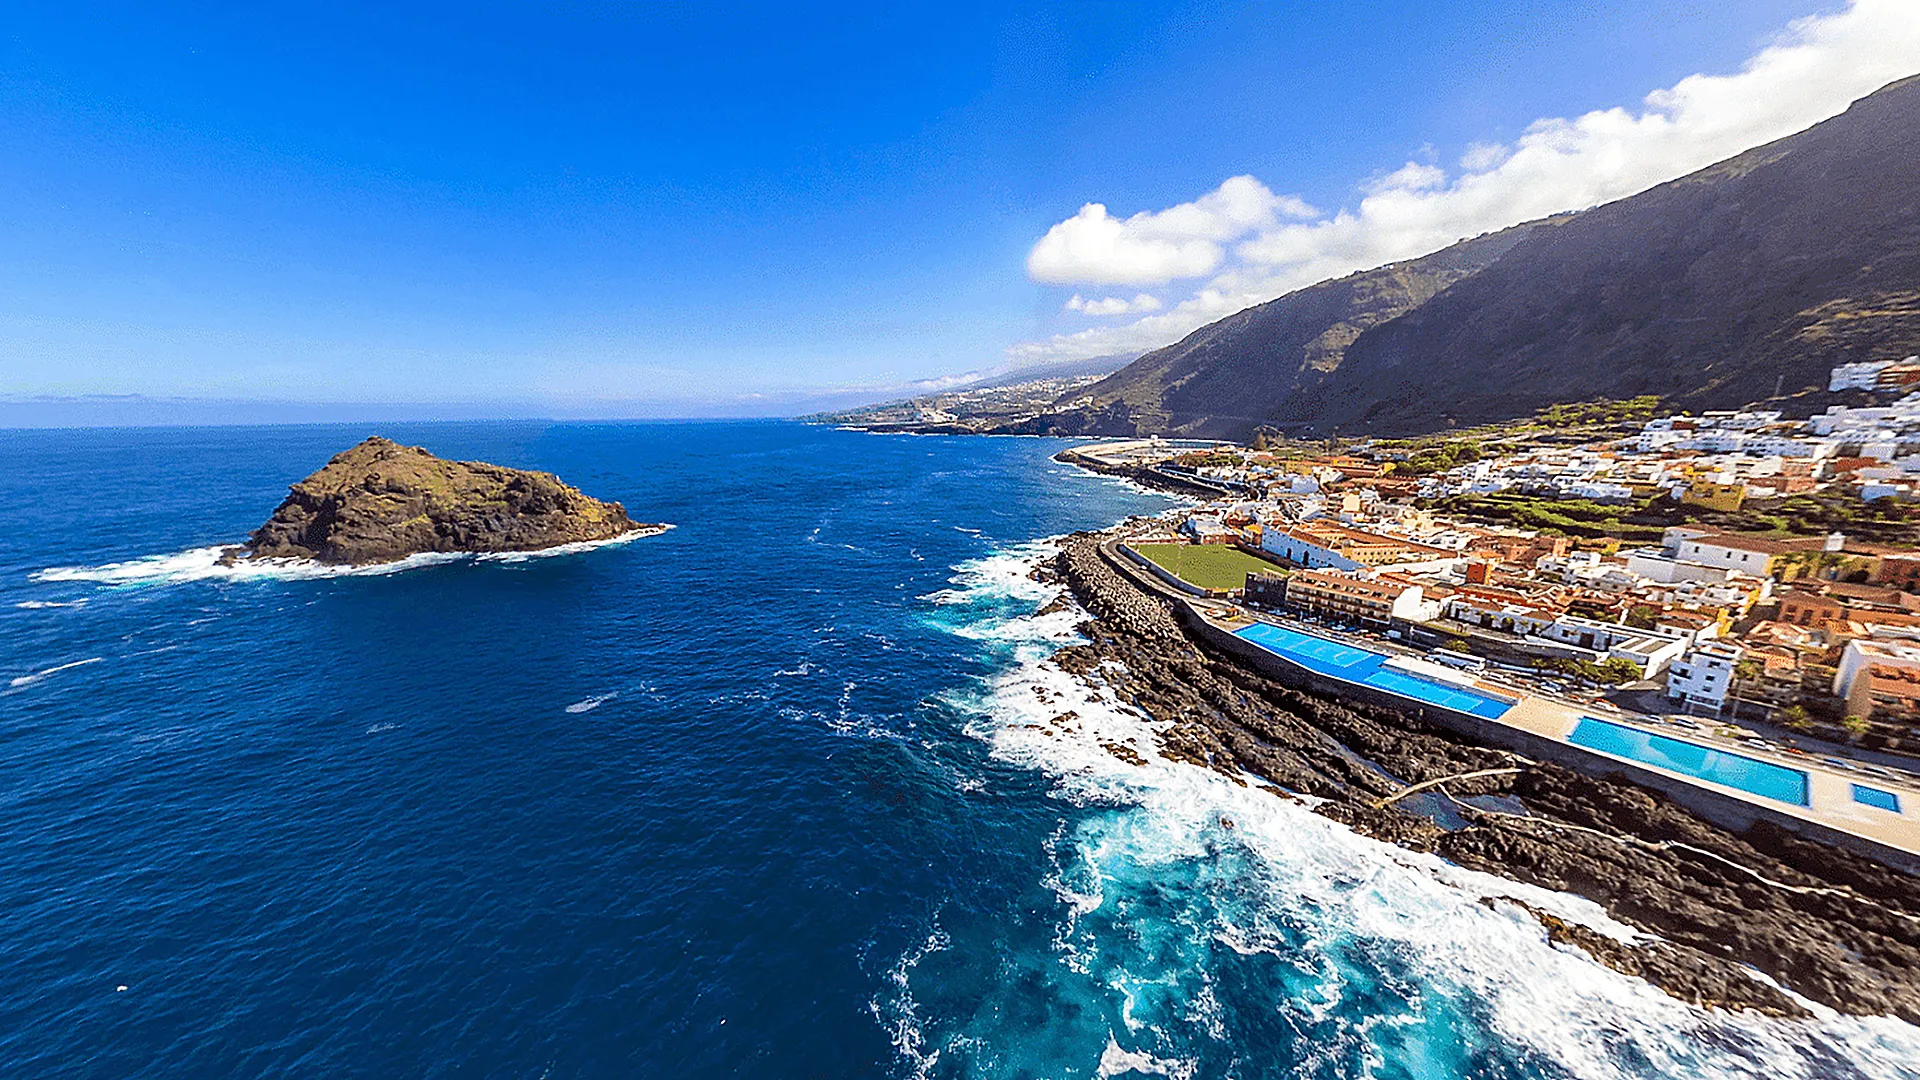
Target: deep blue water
<point>785,792</point>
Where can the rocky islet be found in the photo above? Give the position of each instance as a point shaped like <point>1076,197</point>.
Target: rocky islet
<point>380,501</point>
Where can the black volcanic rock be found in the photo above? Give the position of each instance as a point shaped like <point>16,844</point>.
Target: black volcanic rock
<point>1742,281</point>
<point>380,501</point>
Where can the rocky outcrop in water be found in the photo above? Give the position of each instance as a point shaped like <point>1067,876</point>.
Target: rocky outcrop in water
<point>1825,923</point>
<point>380,501</point>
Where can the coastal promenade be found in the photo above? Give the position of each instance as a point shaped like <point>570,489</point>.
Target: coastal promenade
<point>1728,783</point>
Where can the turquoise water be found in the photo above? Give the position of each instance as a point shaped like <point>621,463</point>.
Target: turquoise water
<point>1751,775</point>
<point>1367,668</point>
<point>1872,796</point>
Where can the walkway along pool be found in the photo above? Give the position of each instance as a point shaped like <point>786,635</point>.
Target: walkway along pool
<point>1750,775</point>
<point>1366,668</point>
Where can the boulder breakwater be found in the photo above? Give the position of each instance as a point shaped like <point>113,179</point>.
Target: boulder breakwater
<point>1827,925</point>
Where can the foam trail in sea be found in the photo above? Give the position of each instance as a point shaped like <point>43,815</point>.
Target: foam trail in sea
<point>1200,918</point>
<point>29,680</point>
<point>209,564</point>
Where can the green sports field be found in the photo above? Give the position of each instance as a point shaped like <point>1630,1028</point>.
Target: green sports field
<point>1210,566</point>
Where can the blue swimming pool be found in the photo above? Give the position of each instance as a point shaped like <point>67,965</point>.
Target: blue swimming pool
<point>1873,796</point>
<point>1363,666</point>
<point>1752,775</point>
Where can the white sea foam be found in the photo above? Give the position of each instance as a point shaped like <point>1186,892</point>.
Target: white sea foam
<point>1298,873</point>
<point>854,724</point>
<point>899,1014</point>
<point>574,548</point>
<point>205,564</point>
<point>1117,1062</point>
<point>29,680</point>
<point>38,605</point>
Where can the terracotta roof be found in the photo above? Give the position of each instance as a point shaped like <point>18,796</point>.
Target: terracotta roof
<point>1873,594</point>
<point>1343,582</point>
<point>1904,679</point>
<point>1862,547</point>
<point>1770,632</point>
<point>1764,545</point>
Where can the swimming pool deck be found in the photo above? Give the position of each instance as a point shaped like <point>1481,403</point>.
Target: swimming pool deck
<point>1830,798</point>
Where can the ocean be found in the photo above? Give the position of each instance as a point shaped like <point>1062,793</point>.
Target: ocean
<point>783,792</point>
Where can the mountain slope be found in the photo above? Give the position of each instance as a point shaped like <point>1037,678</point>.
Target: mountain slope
<point>1747,278</point>
<point>1228,376</point>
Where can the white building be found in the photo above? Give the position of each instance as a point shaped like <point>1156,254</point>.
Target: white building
<point>1650,650</point>
<point>1304,547</point>
<point>1861,376</point>
<point>1864,653</point>
<point>1206,528</point>
<point>1726,551</point>
<point>1597,490</point>
<point>1660,565</point>
<point>1704,676</point>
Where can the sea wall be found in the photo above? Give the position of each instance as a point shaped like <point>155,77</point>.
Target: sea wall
<point>1149,477</point>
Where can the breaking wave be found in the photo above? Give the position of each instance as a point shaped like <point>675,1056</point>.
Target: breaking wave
<point>1200,915</point>
<point>210,564</point>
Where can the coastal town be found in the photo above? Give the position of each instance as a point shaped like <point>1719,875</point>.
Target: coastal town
<point>1741,579</point>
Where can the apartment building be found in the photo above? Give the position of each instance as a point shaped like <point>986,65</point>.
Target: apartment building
<point>1704,676</point>
<point>1377,600</point>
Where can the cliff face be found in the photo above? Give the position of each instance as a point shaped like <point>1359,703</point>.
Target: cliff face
<point>380,501</point>
<point>1747,279</point>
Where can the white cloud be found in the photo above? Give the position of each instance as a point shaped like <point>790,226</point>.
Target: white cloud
<point>1113,305</point>
<point>1810,72</point>
<point>1482,156</point>
<point>1095,248</point>
<point>1412,176</point>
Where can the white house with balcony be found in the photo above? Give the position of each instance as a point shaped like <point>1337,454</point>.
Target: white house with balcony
<point>1704,677</point>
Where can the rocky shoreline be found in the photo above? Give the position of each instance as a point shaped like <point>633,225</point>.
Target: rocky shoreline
<point>1829,925</point>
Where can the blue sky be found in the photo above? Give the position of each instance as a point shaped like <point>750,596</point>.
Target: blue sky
<point>660,209</point>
